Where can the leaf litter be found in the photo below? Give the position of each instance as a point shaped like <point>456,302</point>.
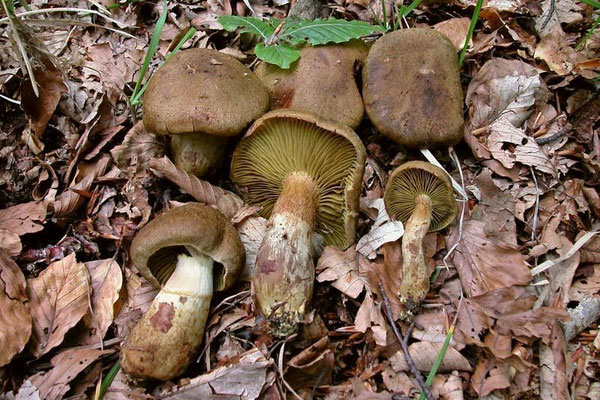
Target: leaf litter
<point>79,176</point>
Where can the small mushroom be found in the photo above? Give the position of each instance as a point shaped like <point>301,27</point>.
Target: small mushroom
<point>201,97</point>
<point>420,195</point>
<point>188,252</point>
<point>306,174</point>
<point>412,90</point>
<point>321,82</point>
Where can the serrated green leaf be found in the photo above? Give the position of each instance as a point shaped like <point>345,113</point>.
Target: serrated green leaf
<point>325,31</point>
<point>278,54</point>
<point>251,25</point>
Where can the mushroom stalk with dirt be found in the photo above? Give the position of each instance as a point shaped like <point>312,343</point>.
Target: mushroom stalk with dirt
<point>187,252</point>
<point>306,174</point>
<point>420,195</point>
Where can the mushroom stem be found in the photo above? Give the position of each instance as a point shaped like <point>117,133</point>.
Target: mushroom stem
<point>415,279</point>
<point>197,153</point>
<point>163,343</point>
<point>284,272</point>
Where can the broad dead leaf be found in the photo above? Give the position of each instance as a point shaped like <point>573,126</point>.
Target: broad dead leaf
<point>456,30</point>
<point>54,384</point>
<point>554,370</point>
<point>311,367</point>
<point>226,202</point>
<point>424,355</point>
<point>10,243</point>
<point>490,374</point>
<point>554,13</point>
<point>242,377</point>
<point>384,230</point>
<point>449,387</point>
<point>106,281</point>
<point>58,300</point>
<point>554,49</point>
<point>252,232</point>
<point>24,218</point>
<point>137,294</point>
<point>137,149</point>
<point>15,320</point>
<point>343,268</point>
<point>484,265</point>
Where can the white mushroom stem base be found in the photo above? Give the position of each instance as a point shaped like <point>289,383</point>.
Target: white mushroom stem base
<point>415,279</point>
<point>167,338</point>
<point>198,153</point>
<point>284,272</point>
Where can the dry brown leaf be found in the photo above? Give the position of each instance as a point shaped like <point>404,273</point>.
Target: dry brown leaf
<point>70,201</point>
<point>424,355</point>
<point>343,268</point>
<point>586,286</point>
<point>456,30</point>
<point>106,281</point>
<point>24,218</point>
<point>397,382</point>
<point>449,387</point>
<point>590,252</point>
<point>120,389</point>
<point>484,265</point>
<point>490,374</point>
<point>252,232</point>
<point>54,384</point>
<point>27,391</point>
<point>554,374</point>
<point>242,377</point>
<point>563,12</point>
<point>137,149</point>
<point>311,367</point>
<point>226,202</point>
<point>138,294</point>
<point>15,320</point>
<point>10,243</point>
<point>370,314</point>
<point>384,230</point>
<point>561,274</point>
<point>554,49</point>
<point>58,300</point>
<point>526,150</point>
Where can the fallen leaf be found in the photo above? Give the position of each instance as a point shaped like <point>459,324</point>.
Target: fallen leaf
<point>456,30</point>
<point>242,377</point>
<point>554,13</point>
<point>397,382</point>
<point>10,243</point>
<point>384,230</point>
<point>369,314</point>
<point>311,367</point>
<point>554,376</point>
<point>15,320</point>
<point>106,281</point>
<point>24,218</point>
<point>586,286</point>
<point>28,391</point>
<point>58,300</point>
<point>484,265</point>
<point>54,384</point>
<point>450,387</point>
<point>424,355</point>
<point>137,149</point>
<point>343,268</point>
<point>120,389</point>
<point>554,49</point>
<point>137,295</point>
<point>489,375</point>
<point>252,231</point>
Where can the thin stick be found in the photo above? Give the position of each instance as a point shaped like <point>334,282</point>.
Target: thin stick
<point>280,367</point>
<point>550,13</point>
<point>537,205</point>
<point>65,9</point>
<point>403,344</point>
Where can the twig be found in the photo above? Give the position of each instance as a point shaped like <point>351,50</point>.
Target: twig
<point>550,13</point>
<point>280,367</point>
<point>403,344</point>
<point>550,139</point>
<point>537,205</point>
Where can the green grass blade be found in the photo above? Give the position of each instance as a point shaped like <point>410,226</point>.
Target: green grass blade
<point>407,10</point>
<point>383,11</point>
<point>592,3</point>
<point>474,19</point>
<point>589,33</point>
<point>150,53</point>
<point>438,361</point>
<point>117,5</point>
<point>108,379</point>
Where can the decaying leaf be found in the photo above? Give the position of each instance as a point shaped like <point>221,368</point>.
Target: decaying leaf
<point>311,367</point>
<point>456,30</point>
<point>252,231</point>
<point>384,230</point>
<point>450,387</point>
<point>106,281</point>
<point>424,355</point>
<point>15,320</point>
<point>138,294</point>
<point>554,371</point>
<point>58,300</point>
<point>343,268</point>
<point>54,384</point>
<point>24,218</point>
<point>10,243</point>
<point>137,149</point>
<point>556,52</point>
<point>490,375</point>
<point>242,377</point>
<point>554,13</point>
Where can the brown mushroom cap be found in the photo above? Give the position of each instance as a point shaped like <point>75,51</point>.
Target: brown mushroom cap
<point>202,90</point>
<point>155,248</point>
<point>321,82</point>
<point>416,178</point>
<point>412,90</point>
<point>287,141</point>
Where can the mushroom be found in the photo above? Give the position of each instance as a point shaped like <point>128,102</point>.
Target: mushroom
<point>411,88</point>
<point>306,174</point>
<point>201,97</point>
<point>420,195</point>
<point>322,82</point>
<point>188,252</point>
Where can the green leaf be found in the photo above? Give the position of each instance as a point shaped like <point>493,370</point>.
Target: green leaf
<point>325,31</point>
<point>278,54</point>
<point>247,24</point>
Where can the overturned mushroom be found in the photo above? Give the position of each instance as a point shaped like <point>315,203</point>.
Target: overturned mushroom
<point>189,252</point>
<point>420,195</point>
<point>306,173</point>
<point>411,88</point>
<point>201,97</point>
<point>322,82</point>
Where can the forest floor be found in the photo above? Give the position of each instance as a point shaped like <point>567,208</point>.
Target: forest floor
<point>78,179</point>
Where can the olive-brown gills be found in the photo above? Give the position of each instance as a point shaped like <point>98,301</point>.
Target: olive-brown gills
<point>201,97</point>
<point>187,252</point>
<point>306,173</point>
<point>322,81</point>
<point>420,195</point>
<point>411,88</point>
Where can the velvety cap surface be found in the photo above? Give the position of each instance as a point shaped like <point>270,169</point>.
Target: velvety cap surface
<point>411,88</point>
<point>286,141</point>
<point>202,90</point>
<point>155,248</point>
<point>415,178</point>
